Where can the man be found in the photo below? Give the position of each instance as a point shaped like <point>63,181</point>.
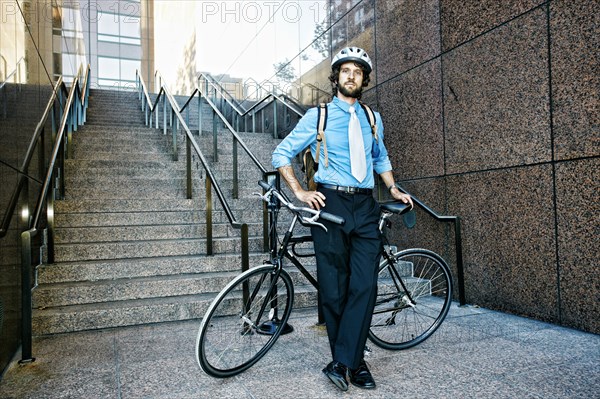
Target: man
<point>347,256</point>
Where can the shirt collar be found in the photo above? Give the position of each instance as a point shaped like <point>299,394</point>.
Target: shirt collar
<point>343,105</point>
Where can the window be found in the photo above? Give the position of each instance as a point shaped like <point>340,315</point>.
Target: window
<point>117,72</point>
<point>118,28</point>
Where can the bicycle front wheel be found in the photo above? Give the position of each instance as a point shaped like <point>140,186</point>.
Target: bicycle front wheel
<point>244,321</point>
<point>414,292</point>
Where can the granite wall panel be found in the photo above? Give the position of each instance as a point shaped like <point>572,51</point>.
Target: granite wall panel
<point>578,221</point>
<point>411,109</point>
<point>408,34</point>
<point>496,98</point>
<point>463,20</point>
<point>509,244</point>
<point>575,40</point>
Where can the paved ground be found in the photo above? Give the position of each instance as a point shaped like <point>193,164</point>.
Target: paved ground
<point>477,353</point>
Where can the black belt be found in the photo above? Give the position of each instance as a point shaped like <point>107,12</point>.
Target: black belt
<point>346,189</point>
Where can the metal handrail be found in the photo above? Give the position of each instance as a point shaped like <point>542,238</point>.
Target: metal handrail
<point>211,180</point>
<point>455,220</point>
<point>39,130</point>
<point>255,108</point>
<point>231,99</point>
<point>70,119</point>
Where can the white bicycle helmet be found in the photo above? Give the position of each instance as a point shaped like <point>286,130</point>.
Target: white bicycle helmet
<point>355,54</point>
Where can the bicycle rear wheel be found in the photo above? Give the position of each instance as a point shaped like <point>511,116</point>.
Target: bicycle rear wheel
<point>414,293</point>
<point>244,321</point>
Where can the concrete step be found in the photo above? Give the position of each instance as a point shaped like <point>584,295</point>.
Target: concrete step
<point>96,234</point>
<point>115,269</point>
<point>129,188</point>
<point>87,292</point>
<point>67,294</point>
<point>150,248</point>
<point>97,219</point>
<point>141,311</point>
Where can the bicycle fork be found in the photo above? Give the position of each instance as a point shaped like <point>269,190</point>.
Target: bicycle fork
<point>388,254</point>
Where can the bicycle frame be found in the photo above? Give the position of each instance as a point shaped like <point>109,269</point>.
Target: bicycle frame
<point>388,255</point>
<point>287,247</point>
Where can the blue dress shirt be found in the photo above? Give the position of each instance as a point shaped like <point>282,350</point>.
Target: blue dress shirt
<point>336,136</point>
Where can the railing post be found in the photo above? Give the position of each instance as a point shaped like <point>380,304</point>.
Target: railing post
<point>235,170</point>
<point>155,112</point>
<point>209,235</point>
<point>164,115</point>
<point>41,145</point>
<point>274,118</point>
<point>50,223</point>
<point>245,248</point>
<point>188,154</point>
<point>174,134</point>
<point>265,226</point>
<point>215,146</point>
<point>459,262</point>
<point>199,113</point>
<point>60,169</point>
<point>26,330</point>
<point>86,102</point>
<point>69,135</point>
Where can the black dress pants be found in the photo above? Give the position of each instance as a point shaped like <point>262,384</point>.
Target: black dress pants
<point>347,267</point>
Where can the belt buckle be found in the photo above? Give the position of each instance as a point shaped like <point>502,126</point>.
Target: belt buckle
<point>348,189</point>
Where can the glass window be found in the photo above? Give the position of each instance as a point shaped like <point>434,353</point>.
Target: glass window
<point>128,68</point>
<point>116,28</point>
<point>108,23</point>
<point>69,66</point>
<point>108,68</point>
<point>130,26</point>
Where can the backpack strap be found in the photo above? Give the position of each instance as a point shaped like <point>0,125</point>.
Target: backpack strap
<point>322,124</point>
<point>372,120</point>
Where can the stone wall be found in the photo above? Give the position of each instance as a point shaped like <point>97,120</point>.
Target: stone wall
<point>491,114</point>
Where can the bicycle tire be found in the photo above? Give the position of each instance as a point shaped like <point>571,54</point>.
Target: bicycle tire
<point>398,324</point>
<point>227,344</point>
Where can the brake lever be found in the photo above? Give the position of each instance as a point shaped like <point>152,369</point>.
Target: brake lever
<point>266,197</point>
<point>313,221</point>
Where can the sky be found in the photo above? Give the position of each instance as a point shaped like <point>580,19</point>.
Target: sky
<point>245,38</point>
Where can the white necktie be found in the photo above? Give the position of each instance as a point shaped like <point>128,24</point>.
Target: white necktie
<point>358,161</point>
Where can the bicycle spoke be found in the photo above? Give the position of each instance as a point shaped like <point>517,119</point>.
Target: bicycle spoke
<point>414,297</point>
<point>230,338</point>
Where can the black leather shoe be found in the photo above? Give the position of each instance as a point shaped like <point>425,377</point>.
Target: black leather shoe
<point>337,372</point>
<point>361,376</point>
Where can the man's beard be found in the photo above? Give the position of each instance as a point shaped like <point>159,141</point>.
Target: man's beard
<point>356,92</point>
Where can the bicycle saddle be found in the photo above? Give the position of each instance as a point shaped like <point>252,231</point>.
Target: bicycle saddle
<point>395,207</point>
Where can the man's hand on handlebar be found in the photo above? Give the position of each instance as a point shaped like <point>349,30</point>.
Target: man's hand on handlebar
<point>314,199</point>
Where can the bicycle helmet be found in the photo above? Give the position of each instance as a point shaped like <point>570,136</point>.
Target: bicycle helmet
<point>355,54</point>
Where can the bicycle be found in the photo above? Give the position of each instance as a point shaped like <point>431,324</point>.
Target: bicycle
<point>250,313</point>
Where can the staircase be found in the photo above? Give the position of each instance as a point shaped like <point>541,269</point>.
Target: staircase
<point>129,247</point>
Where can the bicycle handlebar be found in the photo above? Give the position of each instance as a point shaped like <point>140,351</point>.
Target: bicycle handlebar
<point>318,213</point>
<point>332,218</point>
